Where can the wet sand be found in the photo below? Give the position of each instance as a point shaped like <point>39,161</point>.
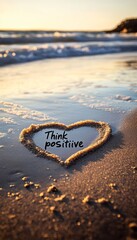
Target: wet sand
<point>108,177</point>
<point>76,95</point>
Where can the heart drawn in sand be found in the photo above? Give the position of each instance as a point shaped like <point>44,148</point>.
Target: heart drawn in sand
<point>26,137</point>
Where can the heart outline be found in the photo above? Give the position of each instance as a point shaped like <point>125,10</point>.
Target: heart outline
<point>103,128</point>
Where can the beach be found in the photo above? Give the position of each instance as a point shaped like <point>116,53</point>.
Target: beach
<point>95,197</point>
<point>110,213</point>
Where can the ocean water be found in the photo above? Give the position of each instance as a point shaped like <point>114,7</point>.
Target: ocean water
<point>77,76</point>
<point>19,47</point>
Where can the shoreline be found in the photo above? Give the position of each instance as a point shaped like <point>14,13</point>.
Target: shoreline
<point>68,101</point>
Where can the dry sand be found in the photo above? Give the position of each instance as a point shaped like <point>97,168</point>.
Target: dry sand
<point>108,180</point>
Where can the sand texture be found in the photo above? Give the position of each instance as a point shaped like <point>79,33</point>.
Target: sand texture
<point>95,200</point>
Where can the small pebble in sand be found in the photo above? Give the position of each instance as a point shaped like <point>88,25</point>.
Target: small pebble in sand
<point>113,186</point>
<point>31,183</point>
<point>12,185</point>
<point>102,201</point>
<point>17,198</point>
<point>27,185</point>
<point>17,194</point>
<point>37,185</point>
<point>52,188</point>
<point>134,167</point>
<point>52,208</point>
<point>41,194</point>
<point>24,178</point>
<point>11,216</point>
<point>133,226</point>
<point>115,207</point>
<point>73,198</point>
<point>41,201</point>
<point>86,199</point>
<point>60,198</point>
<point>13,194</point>
<point>78,223</point>
<point>46,198</point>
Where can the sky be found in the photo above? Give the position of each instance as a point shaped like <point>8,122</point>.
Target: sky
<point>65,14</point>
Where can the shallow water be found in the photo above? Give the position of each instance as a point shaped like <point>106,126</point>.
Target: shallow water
<point>18,47</point>
<point>102,88</point>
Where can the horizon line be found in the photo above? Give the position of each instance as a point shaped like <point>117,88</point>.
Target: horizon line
<point>61,30</point>
<point>47,30</point>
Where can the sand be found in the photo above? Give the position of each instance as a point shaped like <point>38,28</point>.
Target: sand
<point>107,179</point>
<point>95,198</point>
